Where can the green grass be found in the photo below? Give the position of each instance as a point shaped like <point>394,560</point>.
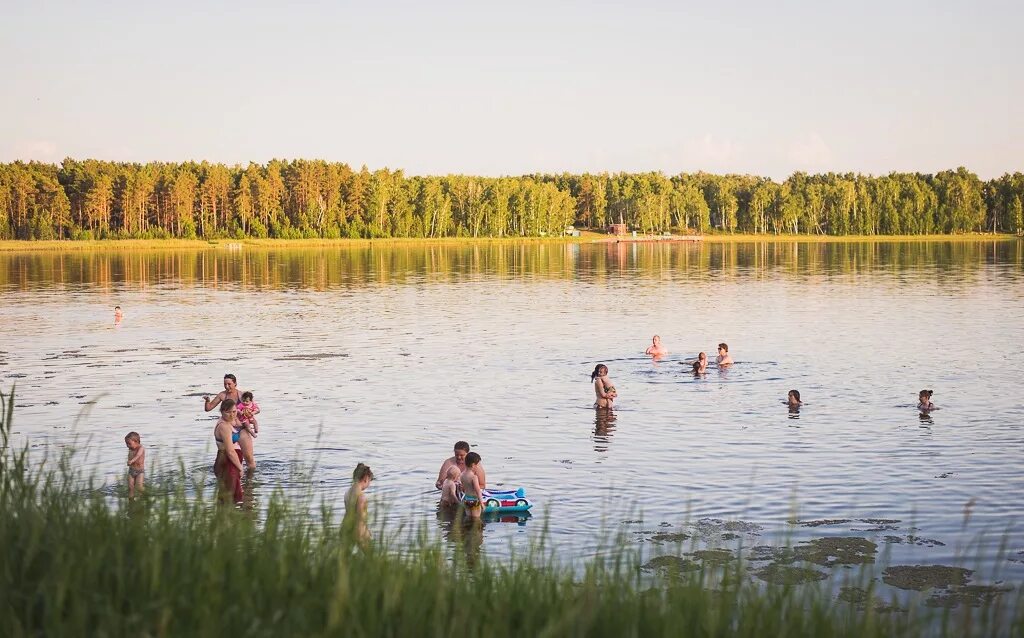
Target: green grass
<point>168,565</point>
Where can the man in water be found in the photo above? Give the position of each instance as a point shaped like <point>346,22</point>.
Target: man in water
<point>723,359</point>
<point>459,460</point>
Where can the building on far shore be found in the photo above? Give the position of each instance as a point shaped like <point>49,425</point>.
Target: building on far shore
<point>617,229</point>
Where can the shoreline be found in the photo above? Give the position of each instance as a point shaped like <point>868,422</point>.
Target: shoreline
<point>70,245</point>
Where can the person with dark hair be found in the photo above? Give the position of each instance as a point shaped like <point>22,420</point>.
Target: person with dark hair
<point>700,366</point>
<point>924,401</point>
<point>227,467</point>
<point>723,359</point>
<point>793,399</point>
<point>473,496</point>
<point>603,388</point>
<point>458,459</point>
<point>243,438</point>
<point>118,315</point>
<point>355,504</point>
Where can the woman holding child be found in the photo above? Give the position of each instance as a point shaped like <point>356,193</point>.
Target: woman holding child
<point>246,428</point>
<point>227,467</point>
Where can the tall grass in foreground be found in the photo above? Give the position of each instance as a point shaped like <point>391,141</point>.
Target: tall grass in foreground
<point>70,565</point>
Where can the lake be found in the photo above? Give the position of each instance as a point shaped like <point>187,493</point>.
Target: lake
<point>389,354</point>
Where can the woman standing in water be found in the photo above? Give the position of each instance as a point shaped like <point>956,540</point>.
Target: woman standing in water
<point>233,394</point>
<point>228,465</point>
<point>604,391</point>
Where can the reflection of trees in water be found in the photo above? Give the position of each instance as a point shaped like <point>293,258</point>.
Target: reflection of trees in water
<point>357,265</point>
<point>604,426</point>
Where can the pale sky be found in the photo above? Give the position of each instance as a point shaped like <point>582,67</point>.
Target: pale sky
<point>486,88</point>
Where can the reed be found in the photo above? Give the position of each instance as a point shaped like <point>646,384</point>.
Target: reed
<point>73,564</point>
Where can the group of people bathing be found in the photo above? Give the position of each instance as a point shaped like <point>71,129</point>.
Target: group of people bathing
<point>605,393</point>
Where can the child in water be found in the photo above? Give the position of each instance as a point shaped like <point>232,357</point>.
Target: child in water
<point>924,401</point>
<point>656,349</point>
<point>474,496</point>
<point>355,504</point>
<point>118,315</point>
<point>451,491</point>
<point>247,411</point>
<point>603,388</point>
<point>136,463</point>
<point>700,366</point>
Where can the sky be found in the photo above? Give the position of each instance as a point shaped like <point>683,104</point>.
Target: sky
<point>742,86</point>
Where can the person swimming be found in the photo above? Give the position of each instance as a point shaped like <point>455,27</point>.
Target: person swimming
<point>656,349</point>
<point>724,358</point>
<point>924,401</point>
<point>700,366</point>
<point>603,388</point>
<point>793,399</point>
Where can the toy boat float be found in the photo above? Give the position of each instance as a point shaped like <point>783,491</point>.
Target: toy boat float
<point>499,501</point>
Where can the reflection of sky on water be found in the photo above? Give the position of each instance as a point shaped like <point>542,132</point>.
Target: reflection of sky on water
<point>389,355</point>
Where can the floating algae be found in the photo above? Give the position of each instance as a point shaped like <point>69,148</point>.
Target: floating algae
<point>837,550</point>
<point>922,577</point>
<point>822,521</point>
<point>910,539</point>
<point>714,528</point>
<point>861,598</point>
<point>713,556</point>
<point>780,555</point>
<point>776,574</point>
<point>668,565</point>
<point>972,595</point>
<point>669,537</point>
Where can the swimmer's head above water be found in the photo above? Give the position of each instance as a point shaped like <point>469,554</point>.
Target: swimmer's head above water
<point>230,382</point>
<point>227,408</point>
<point>362,473</point>
<point>600,370</point>
<point>793,398</point>
<point>461,450</point>
<point>472,459</point>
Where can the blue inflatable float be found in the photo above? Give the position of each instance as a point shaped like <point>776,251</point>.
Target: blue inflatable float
<point>506,501</point>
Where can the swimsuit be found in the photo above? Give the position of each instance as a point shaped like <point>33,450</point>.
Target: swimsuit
<point>230,477</point>
<point>471,503</point>
<point>135,471</point>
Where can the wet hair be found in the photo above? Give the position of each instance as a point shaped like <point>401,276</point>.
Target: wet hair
<point>133,436</point>
<point>226,405</point>
<point>247,396</point>
<point>597,371</point>
<point>117,307</point>
<point>472,459</point>
<point>724,346</point>
<point>702,355</point>
<point>362,471</point>
<point>795,394</point>
<point>925,393</point>
<point>232,377</point>
<point>462,445</point>
<point>696,365</point>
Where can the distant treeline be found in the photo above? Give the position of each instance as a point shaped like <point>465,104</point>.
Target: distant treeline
<point>308,199</point>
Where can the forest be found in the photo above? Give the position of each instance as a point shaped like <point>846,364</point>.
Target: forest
<point>307,199</point>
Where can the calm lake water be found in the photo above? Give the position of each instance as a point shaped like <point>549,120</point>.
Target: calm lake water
<point>389,354</point>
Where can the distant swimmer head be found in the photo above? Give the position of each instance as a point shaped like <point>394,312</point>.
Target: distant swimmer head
<point>793,397</point>
<point>599,371</point>
<point>925,395</point>
<point>230,382</point>
<point>362,473</point>
<point>461,450</point>
<point>247,396</point>
<point>696,366</point>
<point>133,440</point>
<point>723,347</point>
<point>453,473</point>
<point>472,459</point>
<point>656,340</point>
<point>702,356</point>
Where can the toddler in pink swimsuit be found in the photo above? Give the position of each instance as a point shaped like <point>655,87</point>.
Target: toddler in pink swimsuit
<point>247,411</point>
